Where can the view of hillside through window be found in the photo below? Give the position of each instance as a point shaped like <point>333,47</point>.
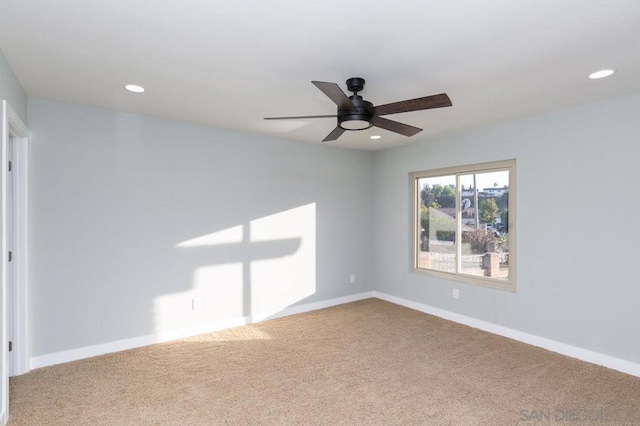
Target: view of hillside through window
<point>464,223</point>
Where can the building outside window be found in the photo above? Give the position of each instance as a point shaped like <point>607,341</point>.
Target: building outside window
<point>464,223</point>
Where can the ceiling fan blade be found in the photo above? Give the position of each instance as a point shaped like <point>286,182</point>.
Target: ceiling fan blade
<point>394,126</point>
<point>428,102</point>
<point>301,117</point>
<point>335,93</point>
<point>335,134</point>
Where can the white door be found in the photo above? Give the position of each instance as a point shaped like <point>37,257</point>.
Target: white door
<point>11,282</point>
<point>4,367</point>
<point>13,201</point>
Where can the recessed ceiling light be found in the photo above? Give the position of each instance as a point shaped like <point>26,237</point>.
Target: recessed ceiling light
<point>134,88</point>
<point>375,137</point>
<point>601,74</point>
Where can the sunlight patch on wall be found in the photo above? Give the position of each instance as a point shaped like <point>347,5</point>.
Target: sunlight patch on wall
<point>226,236</point>
<point>244,273</point>
<point>279,282</point>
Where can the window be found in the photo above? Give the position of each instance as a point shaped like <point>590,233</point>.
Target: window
<point>464,223</point>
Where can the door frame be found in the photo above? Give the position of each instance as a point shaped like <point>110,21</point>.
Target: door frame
<point>21,346</point>
<point>14,126</point>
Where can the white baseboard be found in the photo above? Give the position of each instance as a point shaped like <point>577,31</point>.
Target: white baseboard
<point>592,357</point>
<point>614,363</point>
<point>136,342</point>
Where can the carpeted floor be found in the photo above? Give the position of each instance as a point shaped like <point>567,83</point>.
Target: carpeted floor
<point>363,363</point>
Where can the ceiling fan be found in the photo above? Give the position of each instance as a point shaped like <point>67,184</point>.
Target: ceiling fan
<point>354,113</point>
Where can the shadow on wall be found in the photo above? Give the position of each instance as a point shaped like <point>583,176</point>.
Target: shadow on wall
<point>259,267</point>
<point>140,220</point>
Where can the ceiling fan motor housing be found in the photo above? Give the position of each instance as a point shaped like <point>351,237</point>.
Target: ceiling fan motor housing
<point>356,120</point>
<point>355,84</point>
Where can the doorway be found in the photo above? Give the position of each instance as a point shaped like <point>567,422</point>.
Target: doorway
<point>10,237</point>
<point>14,251</point>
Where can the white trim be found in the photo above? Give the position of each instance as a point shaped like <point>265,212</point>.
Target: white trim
<point>614,363</point>
<point>21,344</point>
<point>136,342</point>
<point>592,357</point>
<point>11,125</point>
<point>4,361</point>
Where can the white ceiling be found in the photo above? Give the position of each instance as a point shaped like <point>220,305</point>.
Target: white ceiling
<point>230,63</point>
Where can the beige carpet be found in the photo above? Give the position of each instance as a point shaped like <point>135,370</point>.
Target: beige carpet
<point>369,362</point>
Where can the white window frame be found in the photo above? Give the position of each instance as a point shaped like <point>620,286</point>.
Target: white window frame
<point>457,171</point>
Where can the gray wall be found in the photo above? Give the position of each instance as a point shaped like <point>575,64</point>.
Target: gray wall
<point>119,202</point>
<point>578,231</point>
<point>11,90</point>
<point>116,197</point>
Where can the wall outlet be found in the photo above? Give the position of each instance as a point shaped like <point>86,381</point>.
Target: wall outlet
<point>196,304</point>
<point>352,278</point>
<point>456,293</point>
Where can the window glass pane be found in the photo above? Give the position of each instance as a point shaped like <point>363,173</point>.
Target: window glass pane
<point>437,223</point>
<point>484,233</point>
<point>461,223</point>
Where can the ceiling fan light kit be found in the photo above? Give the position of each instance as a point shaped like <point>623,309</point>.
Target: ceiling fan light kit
<point>355,113</point>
